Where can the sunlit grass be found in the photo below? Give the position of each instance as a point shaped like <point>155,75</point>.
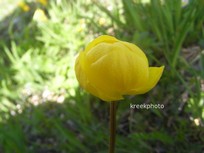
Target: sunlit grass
<point>7,6</point>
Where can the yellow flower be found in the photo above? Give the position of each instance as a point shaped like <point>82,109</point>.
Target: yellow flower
<point>43,2</point>
<point>24,6</point>
<point>102,21</point>
<point>109,69</point>
<point>39,15</point>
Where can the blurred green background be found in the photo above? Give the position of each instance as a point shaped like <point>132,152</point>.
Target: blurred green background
<point>42,108</point>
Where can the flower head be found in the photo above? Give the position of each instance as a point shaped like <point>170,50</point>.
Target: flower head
<point>39,15</point>
<point>43,2</point>
<point>109,69</point>
<point>24,6</point>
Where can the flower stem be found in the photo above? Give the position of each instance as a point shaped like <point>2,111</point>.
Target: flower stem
<point>112,127</point>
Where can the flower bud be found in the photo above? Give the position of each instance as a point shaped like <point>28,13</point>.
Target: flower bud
<point>109,69</point>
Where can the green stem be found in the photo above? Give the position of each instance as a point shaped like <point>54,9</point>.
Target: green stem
<point>112,126</point>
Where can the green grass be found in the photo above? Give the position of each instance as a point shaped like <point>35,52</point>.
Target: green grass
<point>42,108</point>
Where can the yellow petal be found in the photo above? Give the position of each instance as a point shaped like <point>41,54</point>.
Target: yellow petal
<point>108,98</point>
<point>82,77</point>
<point>154,76</point>
<point>135,49</point>
<point>39,15</point>
<point>79,70</point>
<point>100,39</point>
<point>113,69</point>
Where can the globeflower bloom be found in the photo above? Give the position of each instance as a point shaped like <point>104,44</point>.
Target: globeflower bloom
<point>110,69</point>
<point>39,16</point>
